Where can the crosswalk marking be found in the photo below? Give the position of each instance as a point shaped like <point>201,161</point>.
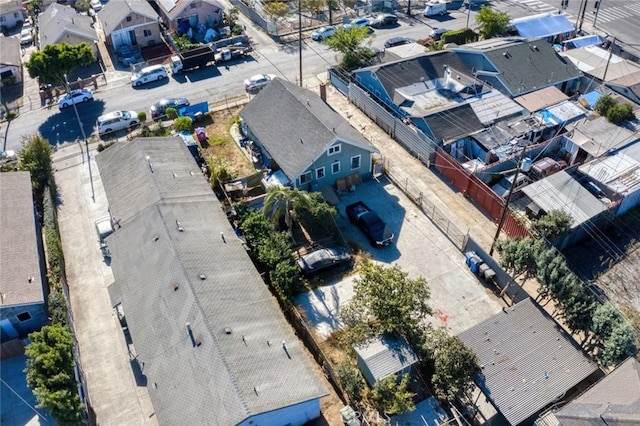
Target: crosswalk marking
<point>538,5</point>
<point>612,14</point>
<point>634,7</point>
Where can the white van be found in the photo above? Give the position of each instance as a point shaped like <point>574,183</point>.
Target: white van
<point>435,8</point>
<point>148,74</point>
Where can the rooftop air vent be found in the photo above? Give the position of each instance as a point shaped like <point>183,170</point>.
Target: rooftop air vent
<point>227,330</point>
<point>202,277</point>
<point>179,226</point>
<point>175,286</point>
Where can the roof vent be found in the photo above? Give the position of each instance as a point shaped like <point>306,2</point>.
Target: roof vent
<point>255,389</point>
<point>180,228</point>
<point>227,330</point>
<point>175,286</point>
<point>156,238</point>
<point>202,277</point>
<point>301,140</point>
<point>244,339</point>
<point>224,240</point>
<point>286,350</point>
<point>308,103</point>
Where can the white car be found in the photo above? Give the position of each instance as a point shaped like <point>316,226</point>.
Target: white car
<point>116,120</point>
<point>357,23</point>
<point>96,5</point>
<point>323,32</point>
<point>257,82</point>
<point>75,97</point>
<point>26,36</point>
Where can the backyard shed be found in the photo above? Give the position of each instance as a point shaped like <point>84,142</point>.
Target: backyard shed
<point>383,357</point>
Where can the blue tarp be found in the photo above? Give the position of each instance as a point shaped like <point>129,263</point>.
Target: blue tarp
<point>545,26</point>
<point>591,98</point>
<point>590,40</point>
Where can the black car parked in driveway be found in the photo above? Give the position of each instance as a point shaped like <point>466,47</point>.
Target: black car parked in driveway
<point>370,223</point>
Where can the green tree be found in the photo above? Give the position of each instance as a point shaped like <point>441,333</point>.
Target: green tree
<point>280,202</point>
<point>348,42</point>
<point>350,380</point>
<point>183,124</point>
<point>393,397</point>
<point>618,345</point>
<point>56,61</point>
<point>553,225</point>
<point>317,216</point>
<point>619,113</point>
<point>277,9</point>
<point>604,104</point>
<point>50,374</point>
<point>314,6</point>
<point>57,308</point>
<point>255,228</point>
<point>455,365</point>
<point>518,256</point>
<point>491,22</point>
<point>387,300</point>
<point>35,158</point>
<point>285,277</point>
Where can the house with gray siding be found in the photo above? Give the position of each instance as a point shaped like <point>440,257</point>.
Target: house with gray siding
<point>302,136</point>
<point>23,291</point>
<point>130,23</point>
<point>210,339</point>
<point>63,24</point>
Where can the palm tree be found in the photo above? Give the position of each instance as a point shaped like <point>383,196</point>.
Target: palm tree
<point>281,202</point>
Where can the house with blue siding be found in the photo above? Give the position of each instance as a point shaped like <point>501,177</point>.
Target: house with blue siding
<point>303,138</point>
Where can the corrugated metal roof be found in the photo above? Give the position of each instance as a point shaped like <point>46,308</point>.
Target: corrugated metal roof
<point>493,106</point>
<point>619,172</point>
<point>614,400</point>
<point>560,191</point>
<point>599,136</point>
<point>172,267</point>
<point>527,360</point>
<point>386,355</point>
<point>19,258</point>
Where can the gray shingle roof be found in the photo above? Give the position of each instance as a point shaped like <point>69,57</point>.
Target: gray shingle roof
<point>386,355</point>
<point>173,8</point>
<point>233,375</point>
<point>283,114</point>
<point>614,400</point>
<point>114,12</point>
<point>530,65</point>
<point>11,52</point>
<point>527,359</point>
<point>18,242</point>
<point>59,20</point>
<point>454,123</point>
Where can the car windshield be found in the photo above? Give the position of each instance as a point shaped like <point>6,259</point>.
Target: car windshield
<point>126,114</point>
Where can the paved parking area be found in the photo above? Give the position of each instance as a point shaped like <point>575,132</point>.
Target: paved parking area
<point>459,301</point>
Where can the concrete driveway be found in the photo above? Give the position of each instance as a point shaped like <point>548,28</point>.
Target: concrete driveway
<point>114,396</point>
<point>459,301</point>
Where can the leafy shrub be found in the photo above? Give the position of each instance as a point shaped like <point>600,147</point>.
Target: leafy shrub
<point>604,104</point>
<point>620,113</point>
<point>142,116</point>
<point>48,209</point>
<point>171,113</point>
<point>350,380</point>
<point>460,37</point>
<point>183,124</point>
<point>183,43</point>
<point>393,397</point>
<point>57,307</point>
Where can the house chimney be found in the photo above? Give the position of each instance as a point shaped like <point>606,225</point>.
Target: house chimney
<point>323,92</point>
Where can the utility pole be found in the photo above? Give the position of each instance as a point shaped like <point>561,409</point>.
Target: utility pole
<point>606,68</point>
<point>596,11</point>
<point>503,216</point>
<point>581,12</point>
<point>468,12</point>
<point>330,12</point>
<point>300,38</point>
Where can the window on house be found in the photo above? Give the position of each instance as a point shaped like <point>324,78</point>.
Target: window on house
<point>129,18</point>
<point>320,173</point>
<point>25,316</point>
<point>335,149</point>
<point>305,178</point>
<point>147,33</point>
<point>355,162</point>
<point>335,167</point>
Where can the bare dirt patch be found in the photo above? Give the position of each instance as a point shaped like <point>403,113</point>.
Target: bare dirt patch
<point>221,144</point>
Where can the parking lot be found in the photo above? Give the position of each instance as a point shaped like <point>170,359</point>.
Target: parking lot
<point>459,301</point>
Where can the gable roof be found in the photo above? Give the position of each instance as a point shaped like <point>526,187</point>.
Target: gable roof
<point>528,361</point>
<point>172,267</point>
<point>59,20</point>
<point>594,61</point>
<point>630,82</point>
<point>11,52</point>
<point>10,6</point>
<point>531,65</point>
<point>561,191</point>
<point>614,400</point>
<point>114,12</point>
<point>386,355</point>
<point>544,25</point>
<point>402,73</point>
<point>18,242</point>
<point>454,123</point>
<point>295,126</point>
<point>173,8</point>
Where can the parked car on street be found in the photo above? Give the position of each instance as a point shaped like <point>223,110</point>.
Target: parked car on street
<point>436,33</point>
<point>158,109</point>
<point>398,41</point>
<point>257,82</point>
<point>384,20</point>
<point>96,5</point>
<point>502,188</point>
<point>149,74</point>
<point>75,97</point>
<point>116,120</point>
<point>357,23</point>
<point>323,32</point>
<point>317,260</point>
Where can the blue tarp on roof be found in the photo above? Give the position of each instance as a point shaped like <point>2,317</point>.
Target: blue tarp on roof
<point>590,40</point>
<point>545,26</point>
<point>590,98</point>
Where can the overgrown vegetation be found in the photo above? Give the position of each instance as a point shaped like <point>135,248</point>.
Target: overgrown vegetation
<point>348,42</point>
<point>183,43</point>
<point>606,333</point>
<point>459,37</point>
<point>50,374</point>
<point>35,158</point>
<point>183,124</point>
<point>351,380</point>
<point>219,171</point>
<point>56,61</point>
<point>553,225</point>
<point>392,396</point>
<point>491,22</point>
<point>615,112</point>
